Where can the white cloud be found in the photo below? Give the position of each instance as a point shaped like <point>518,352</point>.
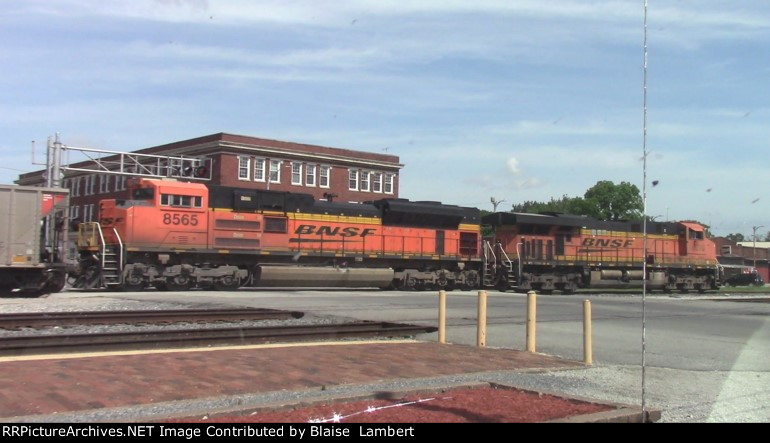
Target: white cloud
<point>513,166</point>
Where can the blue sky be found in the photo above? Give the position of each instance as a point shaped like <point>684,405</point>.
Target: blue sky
<point>517,100</point>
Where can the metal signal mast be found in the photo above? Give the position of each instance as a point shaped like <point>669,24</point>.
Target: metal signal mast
<point>104,161</point>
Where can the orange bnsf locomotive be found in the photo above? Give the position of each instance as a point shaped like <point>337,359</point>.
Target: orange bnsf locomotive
<point>546,252</point>
<point>175,235</point>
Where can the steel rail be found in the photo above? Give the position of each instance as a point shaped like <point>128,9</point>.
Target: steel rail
<point>163,339</point>
<point>38,319</point>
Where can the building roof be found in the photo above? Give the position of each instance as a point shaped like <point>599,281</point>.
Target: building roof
<point>212,143</point>
<point>751,244</point>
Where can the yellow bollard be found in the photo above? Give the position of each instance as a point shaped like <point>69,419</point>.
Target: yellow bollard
<point>481,335</point>
<point>442,316</point>
<point>588,357</point>
<point>531,320</point>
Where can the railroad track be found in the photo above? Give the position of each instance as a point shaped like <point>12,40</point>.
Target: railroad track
<point>163,339</point>
<point>38,319</point>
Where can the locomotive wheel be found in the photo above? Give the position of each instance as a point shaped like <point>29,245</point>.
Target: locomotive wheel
<point>228,283</point>
<point>471,281</point>
<point>133,283</point>
<point>55,283</point>
<point>179,283</point>
<point>568,288</point>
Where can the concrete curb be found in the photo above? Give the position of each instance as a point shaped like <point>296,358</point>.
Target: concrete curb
<point>244,405</point>
<point>623,413</point>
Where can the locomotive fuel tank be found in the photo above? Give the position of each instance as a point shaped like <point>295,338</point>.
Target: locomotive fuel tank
<point>311,276</point>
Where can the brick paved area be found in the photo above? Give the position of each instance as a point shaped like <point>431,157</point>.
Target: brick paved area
<point>59,385</point>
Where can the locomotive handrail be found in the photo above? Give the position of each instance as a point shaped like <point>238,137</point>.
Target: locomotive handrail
<point>504,255</point>
<point>509,263</point>
<point>102,243</point>
<point>487,251</point>
<point>120,252</point>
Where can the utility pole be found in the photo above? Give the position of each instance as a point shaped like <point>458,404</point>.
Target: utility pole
<point>495,203</point>
<point>754,248</point>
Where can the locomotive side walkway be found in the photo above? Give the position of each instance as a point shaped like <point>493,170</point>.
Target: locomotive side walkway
<point>136,386</point>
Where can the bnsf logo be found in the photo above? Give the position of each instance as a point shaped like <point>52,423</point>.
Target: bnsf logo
<point>607,243</point>
<point>328,230</point>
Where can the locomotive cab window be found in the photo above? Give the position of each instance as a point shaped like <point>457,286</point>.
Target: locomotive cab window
<point>181,201</point>
<point>143,194</point>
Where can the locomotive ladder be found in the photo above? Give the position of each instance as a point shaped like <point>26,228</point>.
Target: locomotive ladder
<point>111,259</point>
<point>492,263</point>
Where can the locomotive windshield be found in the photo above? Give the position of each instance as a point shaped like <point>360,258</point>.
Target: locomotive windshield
<point>143,194</point>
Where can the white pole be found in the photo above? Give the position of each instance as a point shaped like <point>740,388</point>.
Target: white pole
<point>644,229</point>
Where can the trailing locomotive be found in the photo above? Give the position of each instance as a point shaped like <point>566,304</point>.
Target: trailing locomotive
<point>175,235</point>
<point>547,252</point>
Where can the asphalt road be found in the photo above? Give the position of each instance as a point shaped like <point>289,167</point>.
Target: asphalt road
<point>705,360</point>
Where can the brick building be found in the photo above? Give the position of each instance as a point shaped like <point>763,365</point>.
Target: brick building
<point>250,162</point>
<point>744,255</point>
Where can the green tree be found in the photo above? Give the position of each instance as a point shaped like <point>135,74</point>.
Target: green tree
<point>565,205</point>
<point>608,201</point>
<point>604,201</point>
<point>735,237</point>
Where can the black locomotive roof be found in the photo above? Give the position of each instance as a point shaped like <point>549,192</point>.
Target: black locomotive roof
<point>578,221</point>
<point>342,208</point>
<point>551,219</point>
<point>402,212</point>
<point>242,199</point>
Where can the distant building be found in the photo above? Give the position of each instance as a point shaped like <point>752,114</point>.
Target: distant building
<point>250,162</point>
<point>744,255</point>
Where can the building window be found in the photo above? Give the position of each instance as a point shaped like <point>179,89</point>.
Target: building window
<point>727,250</point>
<point>275,171</point>
<point>88,213</point>
<point>75,186</point>
<point>296,173</point>
<point>388,183</point>
<point>365,181</point>
<point>310,175</point>
<point>243,168</point>
<point>377,182</point>
<point>353,179</point>
<point>103,183</point>
<point>323,176</point>
<point>259,169</point>
<point>75,212</point>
